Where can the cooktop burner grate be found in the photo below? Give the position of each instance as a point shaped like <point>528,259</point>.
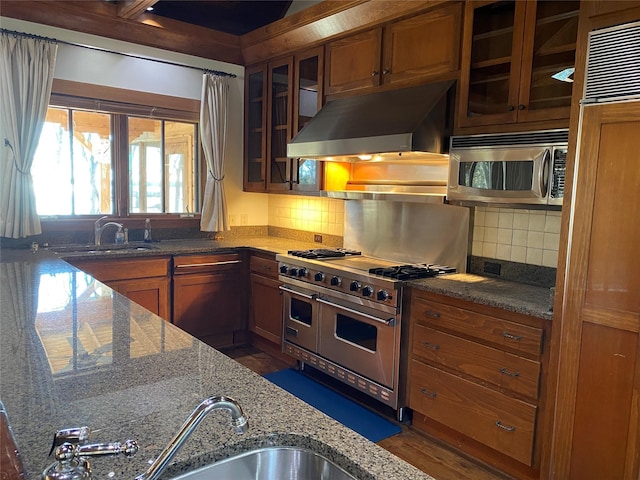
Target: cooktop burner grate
<point>323,253</point>
<point>411,272</point>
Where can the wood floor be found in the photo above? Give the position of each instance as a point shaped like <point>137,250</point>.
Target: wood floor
<point>427,454</point>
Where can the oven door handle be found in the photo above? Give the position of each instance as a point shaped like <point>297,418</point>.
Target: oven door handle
<point>390,321</point>
<point>313,296</point>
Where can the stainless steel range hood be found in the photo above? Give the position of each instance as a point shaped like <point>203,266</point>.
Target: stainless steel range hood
<point>405,125</point>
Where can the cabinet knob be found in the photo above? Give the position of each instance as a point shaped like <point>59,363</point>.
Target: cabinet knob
<point>511,108</point>
<point>386,71</point>
<point>521,107</point>
<point>375,73</point>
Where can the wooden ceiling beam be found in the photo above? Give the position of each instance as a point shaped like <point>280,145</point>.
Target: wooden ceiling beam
<point>322,22</point>
<point>101,18</point>
<point>131,9</point>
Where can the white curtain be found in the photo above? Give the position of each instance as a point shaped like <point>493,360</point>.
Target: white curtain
<point>214,112</point>
<point>26,76</point>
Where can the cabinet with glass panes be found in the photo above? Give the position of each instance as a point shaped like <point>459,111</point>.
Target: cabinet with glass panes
<point>517,61</point>
<point>281,97</point>
<point>255,129</point>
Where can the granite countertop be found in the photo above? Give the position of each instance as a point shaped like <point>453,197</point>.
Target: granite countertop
<point>76,353</point>
<point>495,292</point>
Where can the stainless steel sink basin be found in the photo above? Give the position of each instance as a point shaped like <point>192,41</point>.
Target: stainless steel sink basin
<point>271,463</point>
<point>114,247</point>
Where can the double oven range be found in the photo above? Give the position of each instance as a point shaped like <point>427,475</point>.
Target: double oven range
<point>343,316</point>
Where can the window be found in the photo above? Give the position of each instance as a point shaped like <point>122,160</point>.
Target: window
<point>72,168</point>
<point>162,178</point>
<point>90,150</point>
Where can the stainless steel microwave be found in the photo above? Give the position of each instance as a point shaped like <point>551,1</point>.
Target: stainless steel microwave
<point>516,169</point>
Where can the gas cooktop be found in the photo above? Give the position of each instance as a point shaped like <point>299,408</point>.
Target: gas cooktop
<point>411,272</point>
<point>323,253</point>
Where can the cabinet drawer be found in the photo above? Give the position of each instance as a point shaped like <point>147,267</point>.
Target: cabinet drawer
<point>496,420</point>
<point>503,333</point>
<point>132,268</point>
<point>264,266</point>
<point>488,364</point>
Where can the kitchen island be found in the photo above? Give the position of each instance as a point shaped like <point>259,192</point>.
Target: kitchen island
<point>73,352</point>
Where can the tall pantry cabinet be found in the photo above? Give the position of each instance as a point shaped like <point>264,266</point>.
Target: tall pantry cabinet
<point>596,336</point>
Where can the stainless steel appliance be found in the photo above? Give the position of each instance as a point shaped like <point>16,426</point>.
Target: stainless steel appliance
<point>510,169</point>
<point>343,307</point>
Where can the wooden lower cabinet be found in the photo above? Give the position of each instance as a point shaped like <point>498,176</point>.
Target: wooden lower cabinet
<point>265,317</point>
<point>209,298</point>
<point>145,281</point>
<point>476,379</point>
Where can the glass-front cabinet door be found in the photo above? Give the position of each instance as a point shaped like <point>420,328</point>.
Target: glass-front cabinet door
<point>280,98</point>
<point>546,85</point>
<point>280,107</point>
<point>307,101</point>
<point>255,150</point>
<point>491,67</point>
<point>518,60</point>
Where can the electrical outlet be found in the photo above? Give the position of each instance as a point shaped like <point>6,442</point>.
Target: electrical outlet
<point>233,219</point>
<point>491,267</point>
<point>244,219</point>
<point>317,238</point>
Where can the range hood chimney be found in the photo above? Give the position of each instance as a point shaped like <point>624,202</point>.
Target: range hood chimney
<point>405,125</point>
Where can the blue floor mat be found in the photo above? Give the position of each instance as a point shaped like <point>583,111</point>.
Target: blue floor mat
<point>368,424</point>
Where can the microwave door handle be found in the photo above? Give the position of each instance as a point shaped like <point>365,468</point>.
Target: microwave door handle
<point>544,172</point>
<point>472,173</point>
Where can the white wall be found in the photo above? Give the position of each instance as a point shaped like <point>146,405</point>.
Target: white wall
<point>107,69</point>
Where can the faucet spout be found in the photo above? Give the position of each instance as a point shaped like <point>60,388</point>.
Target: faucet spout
<point>98,229</point>
<point>238,422</point>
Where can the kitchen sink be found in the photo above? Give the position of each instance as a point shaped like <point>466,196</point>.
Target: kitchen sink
<point>271,463</point>
<point>114,247</point>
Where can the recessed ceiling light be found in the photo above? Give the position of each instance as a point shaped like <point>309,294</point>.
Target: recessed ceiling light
<point>149,9</point>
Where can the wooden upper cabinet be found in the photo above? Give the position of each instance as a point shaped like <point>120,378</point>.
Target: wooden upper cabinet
<point>353,62</point>
<point>281,97</point>
<point>517,61</point>
<point>414,48</point>
<point>255,129</point>
<point>308,95</point>
<point>279,112</point>
<point>422,46</point>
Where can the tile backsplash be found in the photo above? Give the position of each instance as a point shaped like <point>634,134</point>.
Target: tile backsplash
<point>516,235</point>
<point>524,236</point>
<point>312,214</point>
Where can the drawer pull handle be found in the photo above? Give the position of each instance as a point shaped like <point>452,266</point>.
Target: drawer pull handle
<point>508,428</point>
<point>511,336</point>
<point>429,313</point>
<point>432,346</point>
<point>429,394</point>
<point>504,371</point>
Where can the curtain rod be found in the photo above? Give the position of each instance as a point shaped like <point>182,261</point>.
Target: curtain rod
<point>166,62</point>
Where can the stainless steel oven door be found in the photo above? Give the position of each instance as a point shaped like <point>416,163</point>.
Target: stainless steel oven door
<point>300,317</point>
<point>360,339</point>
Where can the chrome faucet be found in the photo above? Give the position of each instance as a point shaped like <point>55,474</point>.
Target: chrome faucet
<point>238,421</point>
<point>98,229</point>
